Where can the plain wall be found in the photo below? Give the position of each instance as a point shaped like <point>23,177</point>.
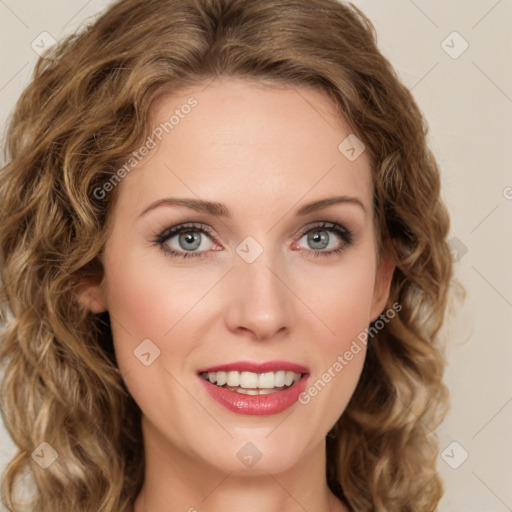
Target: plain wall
<point>467,100</point>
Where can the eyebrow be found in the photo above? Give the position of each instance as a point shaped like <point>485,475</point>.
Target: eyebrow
<point>220,210</point>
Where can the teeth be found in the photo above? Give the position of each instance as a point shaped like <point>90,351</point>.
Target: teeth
<point>253,391</point>
<point>220,378</point>
<point>248,380</point>
<point>233,379</point>
<point>280,378</point>
<point>253,381</point>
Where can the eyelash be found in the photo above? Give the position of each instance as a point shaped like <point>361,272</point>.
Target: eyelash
<point>345,234</point>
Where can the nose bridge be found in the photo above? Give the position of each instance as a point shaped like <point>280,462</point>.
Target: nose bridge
<point>259,301</point>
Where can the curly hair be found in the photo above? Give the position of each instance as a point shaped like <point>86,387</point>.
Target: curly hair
<point>86,109</point>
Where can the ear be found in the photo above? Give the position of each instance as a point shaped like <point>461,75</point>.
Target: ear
<point>382,285</point>
<point>91,295</point>
<point>89,288</point>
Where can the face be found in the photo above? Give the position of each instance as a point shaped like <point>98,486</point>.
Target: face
<point>256,278</point>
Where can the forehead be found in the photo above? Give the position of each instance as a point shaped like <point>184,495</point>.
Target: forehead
<point>248,141</point>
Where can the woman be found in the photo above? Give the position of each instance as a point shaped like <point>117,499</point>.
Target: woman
<point>224,267</point>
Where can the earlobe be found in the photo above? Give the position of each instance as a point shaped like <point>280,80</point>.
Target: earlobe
<point>382,286</point>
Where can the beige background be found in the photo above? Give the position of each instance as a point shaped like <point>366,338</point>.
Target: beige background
<point>467,99</point>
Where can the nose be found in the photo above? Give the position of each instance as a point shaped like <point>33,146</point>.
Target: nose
<point>259,301</point>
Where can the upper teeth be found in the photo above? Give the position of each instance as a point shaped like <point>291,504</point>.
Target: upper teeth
<point>250,380</point>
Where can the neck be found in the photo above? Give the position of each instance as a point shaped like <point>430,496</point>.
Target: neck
<point>176,481</point>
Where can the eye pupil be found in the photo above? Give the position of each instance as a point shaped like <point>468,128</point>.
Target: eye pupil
<point>189,238</point>
<point>319,237</point>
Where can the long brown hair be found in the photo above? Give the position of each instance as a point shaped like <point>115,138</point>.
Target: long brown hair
<point>86,110</point>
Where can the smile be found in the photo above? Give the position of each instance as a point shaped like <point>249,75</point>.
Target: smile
<point>250,383</point>
<point>255,388</point>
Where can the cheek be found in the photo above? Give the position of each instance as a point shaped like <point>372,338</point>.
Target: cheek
<point>341,296</point>
<point>341,299</point>
<point>136,301</point>
<point>140,303</point>
<point>143,306</point>
<point>145,298</point>
<point>346,312</point>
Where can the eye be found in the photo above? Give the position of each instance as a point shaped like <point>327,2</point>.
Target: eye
<point>196,241</point>
<point>326,239</point>
<point>185,241</point>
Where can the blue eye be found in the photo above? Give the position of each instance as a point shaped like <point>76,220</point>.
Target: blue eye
<point>188,237</point>
<point>320,237</point>
<point>190,240</point>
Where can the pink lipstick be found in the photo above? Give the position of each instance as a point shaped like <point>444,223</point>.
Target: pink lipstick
<point>267,392</point>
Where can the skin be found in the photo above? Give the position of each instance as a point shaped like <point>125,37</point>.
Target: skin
<point>263,152</point>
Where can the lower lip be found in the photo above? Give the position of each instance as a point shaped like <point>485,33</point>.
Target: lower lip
<point>259,405</point>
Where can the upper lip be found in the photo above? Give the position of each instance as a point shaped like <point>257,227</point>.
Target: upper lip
<point>255,367</point>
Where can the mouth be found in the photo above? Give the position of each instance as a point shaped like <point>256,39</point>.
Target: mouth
<point>251,383</point>
<point>255,388</point>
